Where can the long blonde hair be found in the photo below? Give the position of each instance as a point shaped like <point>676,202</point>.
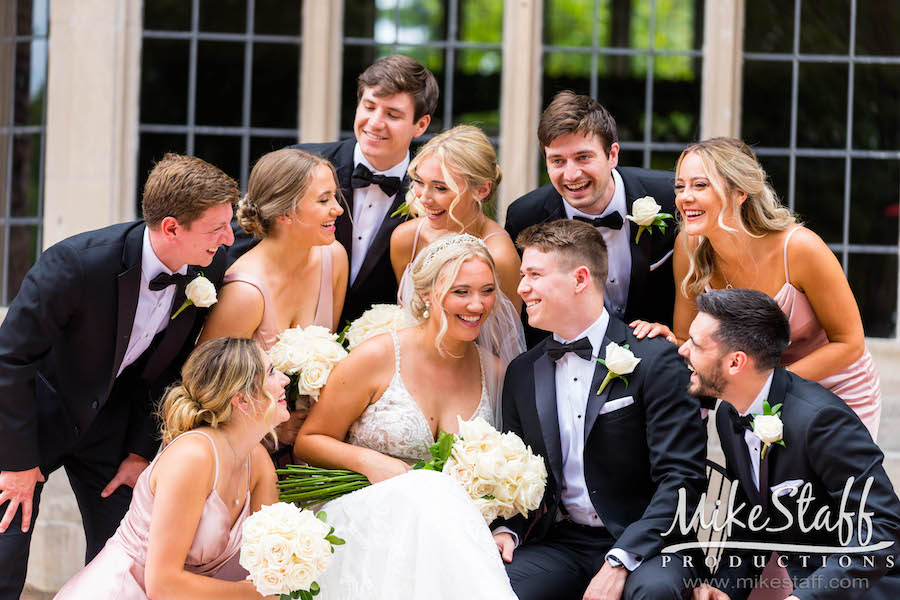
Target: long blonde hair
<point>213,374</point>
<point>466,152</point>
<point>435,270</point>
<point>731,166</point>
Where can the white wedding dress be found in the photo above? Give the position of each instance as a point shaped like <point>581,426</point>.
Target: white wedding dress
<point>417,535</point>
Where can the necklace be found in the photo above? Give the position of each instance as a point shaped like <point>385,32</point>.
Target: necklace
<point>237,495</point>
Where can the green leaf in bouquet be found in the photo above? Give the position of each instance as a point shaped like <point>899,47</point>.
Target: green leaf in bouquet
<point>322,516</point>
<point>304,595</point>
<point>419,465</point>
<point>331,531</point>
<point>445,444</point>
<point>335,540</point>
<point>487,497</point>
<point>314,588</point>
<point>284,596</point>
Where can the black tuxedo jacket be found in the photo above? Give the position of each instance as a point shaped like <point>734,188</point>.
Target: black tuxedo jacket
<point>65,336</point>
<point>825,445</point>
<point>375,283</point>
<point>651,293</point>
<point>636,458</point>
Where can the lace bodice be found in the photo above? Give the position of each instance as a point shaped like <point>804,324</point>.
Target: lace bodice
<point>394,424</point>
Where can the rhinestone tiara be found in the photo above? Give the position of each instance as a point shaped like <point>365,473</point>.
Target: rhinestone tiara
<point>457,240</point>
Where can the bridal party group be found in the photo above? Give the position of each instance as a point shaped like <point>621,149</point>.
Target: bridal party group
<point>602,323</point>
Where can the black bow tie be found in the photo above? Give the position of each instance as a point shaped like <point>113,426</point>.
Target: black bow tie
<point>610,221</point>
<point>363,177</point>
<point>741,424</point>
<point>164,280</point>
<point>582,347</point>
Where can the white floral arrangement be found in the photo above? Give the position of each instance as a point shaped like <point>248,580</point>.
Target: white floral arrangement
<point>498,471</point>
<point>307,356</point>
<point>381,318</point>
<point>285,548</point>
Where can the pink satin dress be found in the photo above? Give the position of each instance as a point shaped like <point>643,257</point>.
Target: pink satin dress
<point>858,384</point>
<point>117,573</point>
<point>267,333</point>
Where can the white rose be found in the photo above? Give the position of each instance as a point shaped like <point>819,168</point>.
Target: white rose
<point>768,428</point>
<point>644,211</point>
<point>488,509</point>
<point>276,550</point>
<point>619,360</point>
<point>490,466</point>
<point>317,332</point>
<point>299,576</point>
<point>250,558</point>
<point>381,318</point>
<point>326,351</point>
<point>476,429</point>
<point>312,378</point>
<point>201,292</point>
<point>270,581</point>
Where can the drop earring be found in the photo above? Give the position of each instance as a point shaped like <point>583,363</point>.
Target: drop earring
<point>425,312</point>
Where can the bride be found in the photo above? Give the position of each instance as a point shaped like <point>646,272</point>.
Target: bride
<point>413,534</point>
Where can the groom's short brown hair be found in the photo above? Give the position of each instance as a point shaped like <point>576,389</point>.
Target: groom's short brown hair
<point>183,187</point>
<point>576,243</point>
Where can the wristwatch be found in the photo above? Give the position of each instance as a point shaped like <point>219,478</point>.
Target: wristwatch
<point>614,561</point>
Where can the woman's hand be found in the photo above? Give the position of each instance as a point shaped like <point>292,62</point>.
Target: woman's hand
<point>651,330</point>
<point>287,431</point>
<point>379,467</point>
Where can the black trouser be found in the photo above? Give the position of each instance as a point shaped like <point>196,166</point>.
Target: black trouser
<point>561,565</point>
<point>89,466</point>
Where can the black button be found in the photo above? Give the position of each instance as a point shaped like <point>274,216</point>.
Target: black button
<point>579,416</point>
<point>77,430</point>
<point>359,238</point>
<point>95,404</point>
<point>575,378</point>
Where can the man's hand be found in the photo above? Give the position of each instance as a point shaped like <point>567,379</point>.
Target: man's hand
<point>128,473</point>
<point>607,584</point>
<point>505,544</point>
<point>705,592</point>
<point>18,488</point>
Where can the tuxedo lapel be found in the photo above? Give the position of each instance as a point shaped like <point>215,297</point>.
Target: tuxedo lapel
<point>545,401</point>
<point>129,287</point>
<point>734,445</point>
<point>344,223</point>
<point>614,333</point>
<point>777,394</point>
<point>174,335</point>
<point>553,206</point>
<point>381,243</point>
<point>640,252</point>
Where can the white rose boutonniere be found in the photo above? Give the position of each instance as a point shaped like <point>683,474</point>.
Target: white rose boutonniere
<point>645,214</point>
<point>200,292</point>
<point>768,427</point>
<point>620,361</point>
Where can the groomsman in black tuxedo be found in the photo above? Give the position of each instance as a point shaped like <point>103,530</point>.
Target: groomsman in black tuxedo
<point>828,461</point>
<point>395,99</point>
<point>580,143</point>
<point>617,454</point>
<point>88,346</point>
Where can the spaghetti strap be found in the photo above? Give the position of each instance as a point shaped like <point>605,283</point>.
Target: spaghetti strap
<point>212,443</point>
<point>485,238</point>
<point>416,240</point>
<point>325,304</point>
<point>396,352</point>
<point>787,277</point>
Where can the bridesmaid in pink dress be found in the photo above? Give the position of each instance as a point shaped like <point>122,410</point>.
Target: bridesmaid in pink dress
<point>297,274</point>
<point>181,536</point>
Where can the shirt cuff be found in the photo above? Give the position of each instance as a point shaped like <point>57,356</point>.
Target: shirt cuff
<point>631,561</point>
<point>502,529</point>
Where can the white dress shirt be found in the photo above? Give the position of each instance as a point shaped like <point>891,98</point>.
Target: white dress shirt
<point>618,244</point>
<point>370,207</point>
<point>754,444</point>
<point>153,308</point>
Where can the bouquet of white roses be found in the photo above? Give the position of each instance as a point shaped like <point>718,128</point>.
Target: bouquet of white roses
<point>285,548</point>
<point>381,318</point>
<point>498,471</point>
<point>307,356</point>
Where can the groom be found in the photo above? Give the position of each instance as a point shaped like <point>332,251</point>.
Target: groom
<point>616,456</point>
<point>828,466</point>
<point>89,345</point>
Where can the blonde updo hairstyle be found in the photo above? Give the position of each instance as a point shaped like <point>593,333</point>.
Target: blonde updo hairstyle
<point>732,169</point>
<point>464,151</point>
<point>278,183</point>
<point>435,275</point>
<point>213,374</point>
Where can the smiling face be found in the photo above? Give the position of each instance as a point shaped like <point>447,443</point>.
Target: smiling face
<point>385,126</point>
<point>705,359</point>
<point>275,384</point>
<point>547,288</point>
<point>581,171</point>
<point>431,187</point>
<point>198,244</point>
<point>699,204</point>
<point>317,211</point>
<point>469,300</point>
